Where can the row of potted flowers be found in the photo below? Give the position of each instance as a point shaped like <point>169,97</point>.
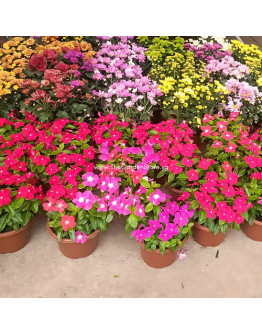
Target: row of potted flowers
<point>83,175</point>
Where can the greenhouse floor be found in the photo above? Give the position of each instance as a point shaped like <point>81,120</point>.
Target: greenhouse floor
<point>117,270</point>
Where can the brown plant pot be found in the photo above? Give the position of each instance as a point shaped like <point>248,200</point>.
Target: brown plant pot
<point>74,250</point>
<point>254,232</point>
<point>204,237</point>
<point>201,146</point>
<point>175,193</point>
<point>156,259</point>
<point>13,241</point>
<point>161,180</point>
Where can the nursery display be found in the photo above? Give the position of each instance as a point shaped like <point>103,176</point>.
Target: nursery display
<point>100,126</point>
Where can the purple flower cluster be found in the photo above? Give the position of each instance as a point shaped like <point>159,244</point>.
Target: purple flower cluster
<point>73,56</point>
<point>228,67</point>
<point>124,39</point>
<point>167,224</point>
<point>208,51</point>
<point>240,93</point>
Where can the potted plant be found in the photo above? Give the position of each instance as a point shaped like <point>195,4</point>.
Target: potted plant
<point>219,195</point>
<point>20,192</point>
<point>163,227</point>
<point>76,220</point>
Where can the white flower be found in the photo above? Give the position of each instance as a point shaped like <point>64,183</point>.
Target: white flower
<point>141,97</point>
<point>134,90</point>
<point>119,100</point>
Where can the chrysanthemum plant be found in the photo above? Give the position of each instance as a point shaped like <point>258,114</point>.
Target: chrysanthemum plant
<point>221,195</point>
<point>20,192</point>
<point>56,86</point>
<point>120,85</point>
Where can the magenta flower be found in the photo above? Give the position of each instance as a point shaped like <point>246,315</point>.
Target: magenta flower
<point>155,224</point>
<point>164,217</point>
<point>102,205</point>
<point>172,229</point>
<point>165,235</point>
<point>80,237</point>
<point>91,179</point>
<point>85,200</point>
<point>149,231</point>
<point>140,235</point>
<point>140,211</point>
<point>180,218</point>
<point>157,197</point>
<point>171,208</point>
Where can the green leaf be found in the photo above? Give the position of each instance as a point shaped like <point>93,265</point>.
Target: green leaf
<point>149,207</point>
<point>72,235</point>
<point>18,202</point>
<point>116,276</point>
<point>109,217</point>
<point>161,173</point>
<point>194,204</point>
<point>132,220</point>
<point>216,229</point>
<point>145,183</point>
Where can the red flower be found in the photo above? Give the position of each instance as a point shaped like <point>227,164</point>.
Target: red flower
<point>187,162</point>
<point>221,125</point>
<point>67,221</point>
<point>62,67</point>
<point>51,55</point>
<point>52,169</point>
<point>60,206</point>
<point>38,62</point>
<point>192,175</point>
<point>40,160</point>
<point>50,205</point>
<point>57,191</point>
<point>228,135</point>
<point>207,130</point>
<point>5,197</point>
<point>231,147</point>
<point>226,166</point>
<point>27,192</point>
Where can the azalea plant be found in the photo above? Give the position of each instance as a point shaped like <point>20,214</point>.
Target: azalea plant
<point>165,224</point>
<point>21,194</point>
<point>56,86</point>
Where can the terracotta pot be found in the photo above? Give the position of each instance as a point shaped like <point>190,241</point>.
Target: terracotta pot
<point>156,259</point>
<point>201,146</point>
<point>254,232</point>
<point>13,241</point>
<point>204,237</point>
<point>161,180</point>
<point>175,193</point>
<point>74,250</point>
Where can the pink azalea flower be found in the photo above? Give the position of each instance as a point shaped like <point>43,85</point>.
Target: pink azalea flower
<point>80,237</point>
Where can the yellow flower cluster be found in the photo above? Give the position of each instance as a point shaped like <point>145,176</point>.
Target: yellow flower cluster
<point>188,90</point>
<point>249,55</point>
<point>14,55</point>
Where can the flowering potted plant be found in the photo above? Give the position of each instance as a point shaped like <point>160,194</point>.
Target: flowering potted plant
<point>56,86</point>
<point>20,194</point>
<point>75,222</point>
<point>219,194</point>
<point>252,225</point>
<point>163,229</point>
<point>120,85</point>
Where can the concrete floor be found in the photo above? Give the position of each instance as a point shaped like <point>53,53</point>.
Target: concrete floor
<point>40,270</point>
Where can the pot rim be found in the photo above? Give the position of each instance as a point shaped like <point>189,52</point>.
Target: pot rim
<point>167,250</point>
<point>13,232</point>
<point>67,240</point>
<point>257,222</point>
<point>206,229</point>
<point>175,190</point>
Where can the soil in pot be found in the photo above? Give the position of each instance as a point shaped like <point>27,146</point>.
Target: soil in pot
<point>204,237</point>
<point>254,232</point>
<point>74,250</point>
<point>13,241</point>
<point>156,259</point>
